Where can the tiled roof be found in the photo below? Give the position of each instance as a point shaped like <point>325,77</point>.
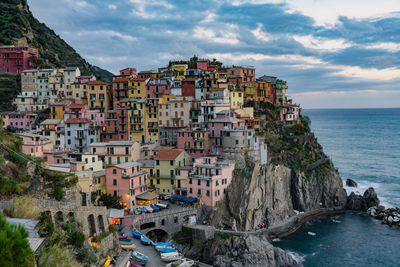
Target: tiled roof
<point>78,120</point>
<point>97,83</point>
<point>217,89</point>
<point>127,165</point>
<point>73,105</point>
<point>168,153</point>
<point>121,79</point>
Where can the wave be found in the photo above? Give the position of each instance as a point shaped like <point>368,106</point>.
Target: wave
<point>299,258</point>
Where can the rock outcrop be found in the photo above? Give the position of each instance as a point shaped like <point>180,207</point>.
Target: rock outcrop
<point>249,251</point>
<point>351,183</point>
<point>362,203</point>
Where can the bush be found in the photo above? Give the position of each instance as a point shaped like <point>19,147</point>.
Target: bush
<point>56,255</point>
<point>24,207</point>
<point>7,187</point>
<point>14,245</point>
<point>58,193</point>
<point>112,228</point>
<point>45,225</point>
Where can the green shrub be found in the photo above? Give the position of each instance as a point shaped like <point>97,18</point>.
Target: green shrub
<point>58,193</point>
<point>7,186</point>
<point>45,226</point>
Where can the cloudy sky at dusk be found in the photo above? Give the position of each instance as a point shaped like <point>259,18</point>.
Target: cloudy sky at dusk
<point>332,53</point>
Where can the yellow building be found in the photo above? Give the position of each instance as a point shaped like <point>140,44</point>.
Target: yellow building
<point>99,94</point>
<point>179,70</point>
<point>250,91</point>
<point>236,96</point>
<point>137,88</point>
<point>57,110</point>
<point>142,119</point>
<point>167,167</point>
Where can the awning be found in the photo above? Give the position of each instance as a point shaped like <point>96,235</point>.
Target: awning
<point>147,196</point>
<point>115,213</point>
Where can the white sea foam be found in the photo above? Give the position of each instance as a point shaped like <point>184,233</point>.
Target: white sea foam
<point>364,185</point>
<point>297,257</point>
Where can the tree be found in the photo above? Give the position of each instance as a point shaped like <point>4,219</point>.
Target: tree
<point>58,193</point>
<point>110,201</point>
<point>14,245</point>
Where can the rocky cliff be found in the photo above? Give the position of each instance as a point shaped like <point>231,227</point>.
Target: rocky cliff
<point>297,177</point>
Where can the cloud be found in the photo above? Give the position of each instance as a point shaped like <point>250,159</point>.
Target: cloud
<point>317,46</point>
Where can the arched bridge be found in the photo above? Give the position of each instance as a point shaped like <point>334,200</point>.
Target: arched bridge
<point>163,224</point>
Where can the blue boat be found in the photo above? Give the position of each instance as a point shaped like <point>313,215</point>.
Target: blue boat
<point>166,250</point>
<point>144,210</point>
<point>139,258</point>
<point>136,234</point>
<point>162,244</point>
<point>155,208</point>
<point>145,241</point>
<point>126,242</point>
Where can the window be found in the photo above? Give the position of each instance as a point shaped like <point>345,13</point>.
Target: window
<point>69,141</point>
<point>171,162</point>
<point>208,193</point>
<point>114,170</point>
<point>171,173</point>
<point>190,190</point>
<point>237,142</point>
<point>190,180</point>
<point>126,159</point>
<point>126,150</point>
<point>208,183</point>
<point>199,192</point>
<point>114,181</point>
<point>68,133</point>
<point>172,181</point>
<point>216,183</point>
<point>199,182</point>
<point>158,181</point>
<point>157,162</point>
<point>93,159</point>
<point>115,193</point>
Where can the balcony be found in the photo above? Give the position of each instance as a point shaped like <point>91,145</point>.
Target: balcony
<point>80,136</point>
<point>80,145</point>
<point>139,186</point>
<point>125,175</point>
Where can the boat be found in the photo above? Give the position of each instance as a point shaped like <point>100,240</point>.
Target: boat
<point>130,242</point>
<point>311,233</point>
<point>122,236</point>
<point>107,262</point>
<point>149,209</point>
<point>138,257</point>
<point>171,256</point>
<point>145,241</point>
<point>162,244</point>
<point>144,210</point>
<point>155,208</point>
<point>134,264</point>
<point>162,205</point>
<point>181,263</point>
<point>136,234</point>
<point>124,240</point>
<point>167,250</point>
<point>138,211</point>
<point>128,247</point>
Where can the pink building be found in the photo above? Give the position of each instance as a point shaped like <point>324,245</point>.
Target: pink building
<point>16,59</point>
<point>289,114</point>
<point>127,72</point>
<point>194,141</point>
<point>21,120</point>
<point>127,181</point>
<point>35,145</point>
<point>203,64</point>
<point>224,120</point>
<point>82,111</point>
<point>115,125</point>
<point>209,180</point>
<point>158,87</point>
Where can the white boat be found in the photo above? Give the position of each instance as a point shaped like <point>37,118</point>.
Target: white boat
<point>139,257</point>
<point>172,256</point>
<point>181,263</point>
<point>311,233</point>
<point>149,209</point>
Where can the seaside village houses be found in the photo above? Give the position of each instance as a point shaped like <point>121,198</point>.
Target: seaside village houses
<point>172,131</point>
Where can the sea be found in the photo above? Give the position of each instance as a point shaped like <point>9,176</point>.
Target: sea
<point>364,145</point>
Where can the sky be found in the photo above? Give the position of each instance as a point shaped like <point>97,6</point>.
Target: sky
<point>333,54</point>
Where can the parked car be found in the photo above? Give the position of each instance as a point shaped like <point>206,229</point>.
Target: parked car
<point>167,197</point>
<point>162,205</point>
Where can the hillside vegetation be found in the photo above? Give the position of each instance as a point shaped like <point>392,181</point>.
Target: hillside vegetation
<point>18,26</point>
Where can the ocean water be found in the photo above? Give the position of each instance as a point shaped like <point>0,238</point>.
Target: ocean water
<point>364,145</point>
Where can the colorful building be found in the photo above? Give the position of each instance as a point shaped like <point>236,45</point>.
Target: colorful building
<point>210,179</point>
<point>34,144</point>
<point>99,95</point>
<point>79,134</point>
<point>127,181</point>
<point>290,114</point>
<point>179,70</point>
<point>166,167</point>
<point>195,141</point>
<point>158,87</point>
<point>16,59</point>
<point>21,120</point>
<point>137,88</point>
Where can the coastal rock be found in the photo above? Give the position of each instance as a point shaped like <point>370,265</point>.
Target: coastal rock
<point>351,183</point>
<point>371,198</point>
<point>362,203</point>
<point>252,251</point>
